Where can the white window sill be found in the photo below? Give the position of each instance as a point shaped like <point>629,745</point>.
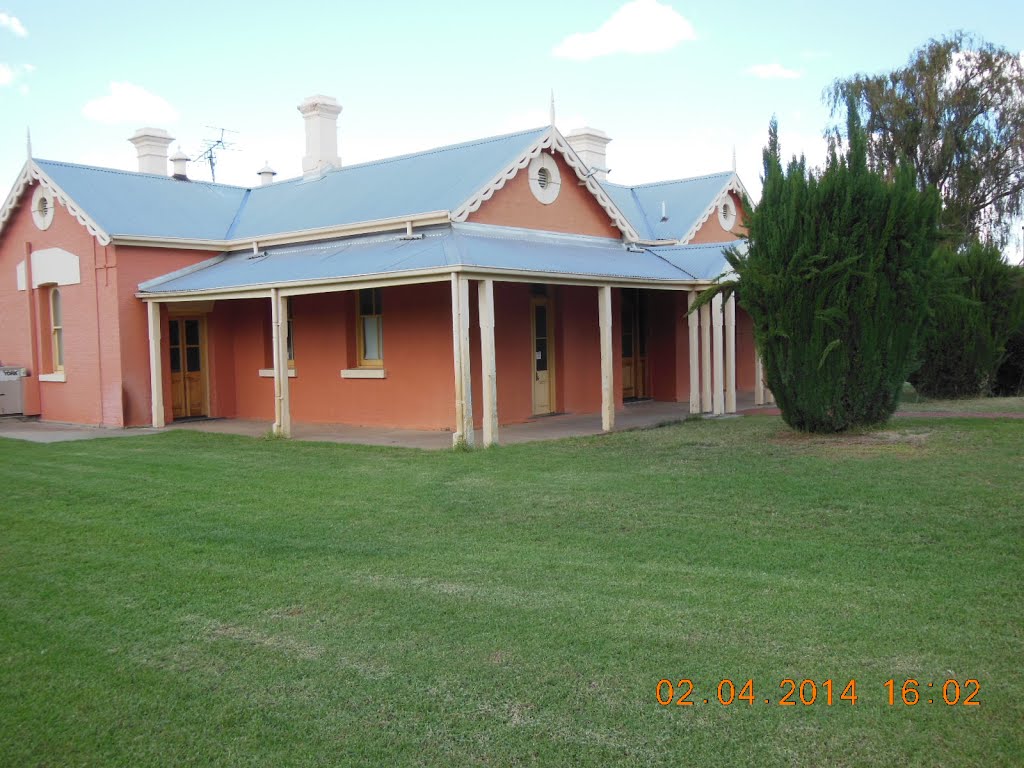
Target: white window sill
<point>268,373</point>
<point>364,373</point>
<point>60,376</point>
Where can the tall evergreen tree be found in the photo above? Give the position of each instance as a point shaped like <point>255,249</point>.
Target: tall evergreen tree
<point>835,277</point>
<point>955,113</point>
<point>975,312</point>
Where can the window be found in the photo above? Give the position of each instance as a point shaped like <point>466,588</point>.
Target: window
<point>56,330</point>
<point>370,329</point>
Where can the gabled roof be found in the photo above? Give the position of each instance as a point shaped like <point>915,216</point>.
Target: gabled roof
<point>144,204</point>
<point>472,247</point>
<point>437,180</point>
<point>448,182</point>
<point>687,204</point>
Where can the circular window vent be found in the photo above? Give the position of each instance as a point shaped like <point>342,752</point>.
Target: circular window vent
<point>545,179</point>
<point>727,214</point>
<point>42,208</point>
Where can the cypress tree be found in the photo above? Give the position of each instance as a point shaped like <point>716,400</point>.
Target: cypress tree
<point>835,277</point>
<point>973,320</point>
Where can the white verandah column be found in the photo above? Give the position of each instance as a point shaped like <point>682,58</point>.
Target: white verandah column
<point>758,379</point>
<point>705,358</point>
<point>730,354</point>
<point>156,372</point>
<point>692,321</point>
<point>604,313</point>
<point>719,353</point>
<point>485,301</point>
<point>460,354</point>
<point>279,340</point>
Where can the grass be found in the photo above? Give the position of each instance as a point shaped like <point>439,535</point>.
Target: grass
<point>195,599</point>
<point>967,405</point>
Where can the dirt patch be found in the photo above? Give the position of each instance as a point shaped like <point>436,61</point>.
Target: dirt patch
<point>871,443</point>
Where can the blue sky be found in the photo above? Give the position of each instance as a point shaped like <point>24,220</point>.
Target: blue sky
<point>676,84</point>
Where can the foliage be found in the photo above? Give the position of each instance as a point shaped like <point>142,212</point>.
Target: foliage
<point>1010,377</point>
<point>975,309</point>
<point>955,112</point>
<point>835,277</point>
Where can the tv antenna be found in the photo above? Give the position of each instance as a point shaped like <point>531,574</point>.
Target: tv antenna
<point>212,146</point>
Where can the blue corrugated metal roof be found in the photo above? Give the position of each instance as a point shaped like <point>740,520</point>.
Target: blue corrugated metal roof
<point>701,262</point>
<point>145,205</point>
<point>437,180</point>
<point>685,200</point>
<point>466,245</point>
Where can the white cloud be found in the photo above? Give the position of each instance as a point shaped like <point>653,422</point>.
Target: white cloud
<point>773,72</point>
<point>14,24</point>
<point>10,75</point>
<point>640,26</point>
<point>129,103</point>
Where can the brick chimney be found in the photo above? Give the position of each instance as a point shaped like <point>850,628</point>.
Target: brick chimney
<point>321,116</point>
<point>151,144</point>
<point>590,144</point>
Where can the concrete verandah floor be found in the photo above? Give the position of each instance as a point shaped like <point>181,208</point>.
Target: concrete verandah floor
<point>638,415</point>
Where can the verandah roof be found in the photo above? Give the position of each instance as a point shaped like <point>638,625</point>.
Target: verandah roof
<point>456,247</point>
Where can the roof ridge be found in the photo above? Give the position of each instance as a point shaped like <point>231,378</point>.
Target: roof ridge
<point>678,181</point>
<point>692,246</point>
<point>238,214</point>
<point>122,172</point>
<point>420,153</point>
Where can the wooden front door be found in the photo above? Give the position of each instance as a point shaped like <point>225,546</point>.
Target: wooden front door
<point>543,359</point>
<point>634,344</point>
<point>188,374</point>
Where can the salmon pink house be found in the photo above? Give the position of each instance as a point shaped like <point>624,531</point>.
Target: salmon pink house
<point>457,289</point>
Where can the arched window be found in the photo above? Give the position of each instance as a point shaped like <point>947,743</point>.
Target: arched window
<point>57,329</point>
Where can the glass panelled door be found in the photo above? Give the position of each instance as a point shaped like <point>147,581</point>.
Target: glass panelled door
<point>543,368</point>
<point>188,381</point>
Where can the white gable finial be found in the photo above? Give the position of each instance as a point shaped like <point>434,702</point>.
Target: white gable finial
<point>552,107</point>
<point>734,158</point>
<point>28,141</point>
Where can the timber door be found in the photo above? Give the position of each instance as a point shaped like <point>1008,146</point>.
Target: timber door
<point>634,345</point>
<point>188,374</point>
<point>543,359</point>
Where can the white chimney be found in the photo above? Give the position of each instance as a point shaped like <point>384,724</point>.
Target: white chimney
<point>151,144</point>
<point>321,115</point>
<point>266,174</point>
<point>178,162</point>
<point>589,144</point>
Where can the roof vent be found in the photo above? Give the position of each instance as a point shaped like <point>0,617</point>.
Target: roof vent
<point>266,174</point>
<point>151,144</point>
<point>178,161</point>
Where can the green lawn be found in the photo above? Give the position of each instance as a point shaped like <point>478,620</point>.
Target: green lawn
<point>191,599</point>
<point>968,405</point>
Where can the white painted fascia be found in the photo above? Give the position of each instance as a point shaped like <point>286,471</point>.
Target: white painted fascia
<point>433,275</point>
<point>732,184</point>
<point>23,180</point>
<point>553,140</point>
<point>32,172</point>
<point>146,284</point>
<point>290,238</point>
